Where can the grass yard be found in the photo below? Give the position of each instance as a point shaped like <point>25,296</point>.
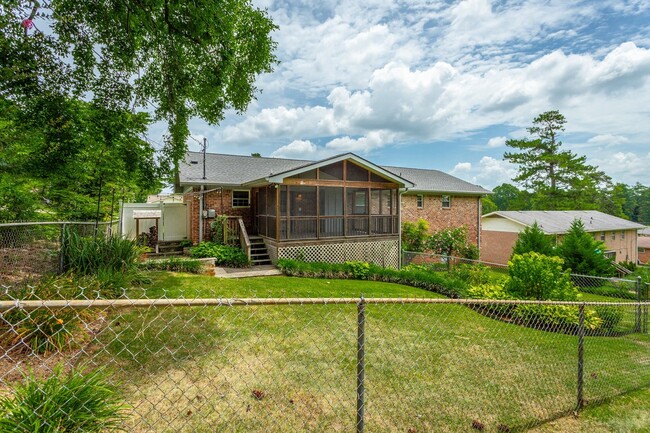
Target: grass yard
<point>269,369</point>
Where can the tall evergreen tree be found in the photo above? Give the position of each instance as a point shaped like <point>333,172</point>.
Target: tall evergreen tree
<point>559,179</point>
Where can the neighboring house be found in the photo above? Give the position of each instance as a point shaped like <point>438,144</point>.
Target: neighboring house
<point>644,249</point>
<point>337,209</point>
<point>500,230</point>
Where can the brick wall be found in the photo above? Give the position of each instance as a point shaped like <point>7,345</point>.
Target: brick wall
<point>496,247</point>
<point>464,211</point>
<point>222,204</point>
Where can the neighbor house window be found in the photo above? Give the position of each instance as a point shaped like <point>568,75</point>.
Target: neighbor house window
<point>622,234</point>
<point>241,198</point>
<point>446,202</point>
<point>613,236</point>
<point>602,236</point>
<point>641,250</point>
<point>420,201</point>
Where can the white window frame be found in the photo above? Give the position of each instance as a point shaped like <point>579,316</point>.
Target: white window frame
<point>248,200</point>
<point>448,201</point>
<point>613,236</point>
<point>622,234</point>
<point>419,201</point>
<point>602,236</point>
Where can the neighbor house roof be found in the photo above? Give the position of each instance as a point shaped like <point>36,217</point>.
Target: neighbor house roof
<point>557,222</point>
<point>643,242</point>
<point>645,231</point>
<point>237,170</point>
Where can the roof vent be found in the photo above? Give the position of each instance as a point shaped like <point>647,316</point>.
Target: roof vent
<point>194,162</point>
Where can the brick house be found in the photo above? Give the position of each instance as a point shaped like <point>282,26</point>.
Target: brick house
<point>643,246</point>
<point>337,209</point>
<point>500,230</point>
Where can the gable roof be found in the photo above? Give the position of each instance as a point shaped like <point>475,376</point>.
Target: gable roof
<point>238,171</point>
<point>557,222</point>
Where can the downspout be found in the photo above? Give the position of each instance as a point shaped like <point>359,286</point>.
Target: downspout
<point>478,226</point>
<point>201,215</point>
<point>399,225</point>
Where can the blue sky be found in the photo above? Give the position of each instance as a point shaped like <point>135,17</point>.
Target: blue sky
<point>442,85</point>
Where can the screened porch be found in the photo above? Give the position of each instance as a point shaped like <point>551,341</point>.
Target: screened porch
<point>334,201</point>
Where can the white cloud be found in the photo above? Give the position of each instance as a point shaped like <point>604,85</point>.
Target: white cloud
<point>299,149</point>
<point>490,172</point>
<point>608,140</point>
<point>496,142</point>
<point>461,167</point>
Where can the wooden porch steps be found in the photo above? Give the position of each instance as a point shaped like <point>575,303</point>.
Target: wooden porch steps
<point>259,254</point>
<point>167,249</point>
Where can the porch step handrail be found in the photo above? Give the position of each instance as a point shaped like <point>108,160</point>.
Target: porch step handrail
<point>244,240</point>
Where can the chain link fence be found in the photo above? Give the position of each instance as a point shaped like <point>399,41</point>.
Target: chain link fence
<point>32,249</point>
<point>313,364</point>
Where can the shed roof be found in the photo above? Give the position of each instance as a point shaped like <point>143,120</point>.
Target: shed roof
<point>557,222</point>
<point>238,170</point>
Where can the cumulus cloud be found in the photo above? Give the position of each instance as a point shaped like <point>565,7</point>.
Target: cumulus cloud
<point>461,167</point>
<point>298,149</point>
<point>607,140</point>
<point>496,142</point>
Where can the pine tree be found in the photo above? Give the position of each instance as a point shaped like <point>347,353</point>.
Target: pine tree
<point>559,179</point>
<point>583,254</point>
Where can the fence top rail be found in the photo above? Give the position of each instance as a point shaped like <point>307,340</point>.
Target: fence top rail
<point>234,302</point>
<point>56,223</point>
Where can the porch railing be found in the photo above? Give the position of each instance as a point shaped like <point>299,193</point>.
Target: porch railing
<point>312,227</point>
<point>235,234</point>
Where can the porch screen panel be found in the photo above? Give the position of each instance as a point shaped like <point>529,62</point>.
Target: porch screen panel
<point>357,211</point>
<point>271,212</point>
<point>331,212</point>
<point>355,173</point>
<point>302,212</point>
<point>331,172</point>
<point>261,211</point>
<point>381,209</point>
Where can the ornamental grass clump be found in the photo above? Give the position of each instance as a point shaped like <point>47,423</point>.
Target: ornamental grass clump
<point>47,330</point>
<point>79,401</point>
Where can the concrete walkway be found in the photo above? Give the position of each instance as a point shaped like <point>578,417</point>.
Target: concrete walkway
<point>253,271</point>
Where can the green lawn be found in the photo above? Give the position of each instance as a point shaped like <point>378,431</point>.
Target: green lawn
<point>429,367</point>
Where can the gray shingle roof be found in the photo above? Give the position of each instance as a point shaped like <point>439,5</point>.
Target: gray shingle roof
<point>436,181</point>
<point>555,222</point>
<point>235,170</point>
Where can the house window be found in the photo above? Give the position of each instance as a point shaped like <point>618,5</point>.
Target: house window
<point>610,255</point>
<point>613,236</point>
<point>602,236</point>
<point>420,201</point>
<point>641,250</point>
<point>241,199</point>
<point>622,234</point>
<point>446,202</point>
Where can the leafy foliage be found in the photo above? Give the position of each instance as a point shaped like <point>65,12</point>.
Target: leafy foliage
<point>79,401</point>
<point>224,255</point>
<point>559,179</point>
<point>187,59</point>
<point>415,235</point>
<point>65,156</point>
<point>173,264</point>
<point>535,276</point>
<point>533,239</point>
<point>583,254</point>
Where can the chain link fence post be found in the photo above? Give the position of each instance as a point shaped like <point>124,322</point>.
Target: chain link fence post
<point>645,308</point>
<point>639,298</point>
<point>581,352</point>
<point>361,352</point>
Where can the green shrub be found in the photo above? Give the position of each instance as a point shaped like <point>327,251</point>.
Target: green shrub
<point>610,291</point>
<point>359,270</point>
<point>415,235</point>
<point>488,291</point>
<point>556,317</point>
<point>44,330</point>
<point>610,316</point>
<point>415,276</point>
<point>533,239</point>
<point>75,402</point>
<point>472,274</point>
<point>223,255</point>
<point>536,276</point>
<point>173,264</point>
